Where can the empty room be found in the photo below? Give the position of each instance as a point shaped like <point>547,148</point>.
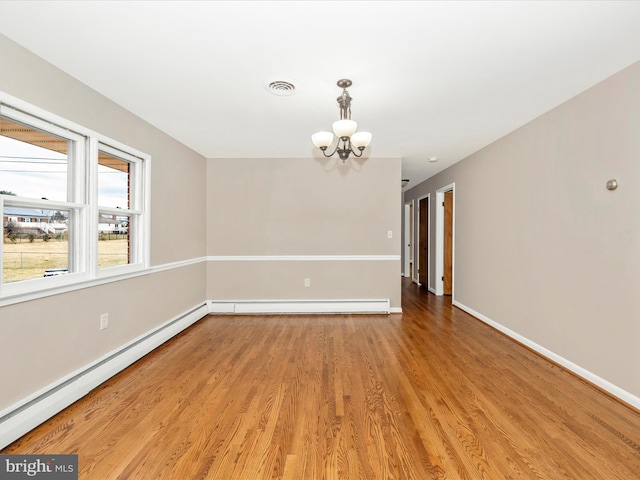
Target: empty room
<point>320,240</point>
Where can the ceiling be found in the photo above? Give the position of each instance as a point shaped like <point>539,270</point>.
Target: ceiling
<point>430,79</point>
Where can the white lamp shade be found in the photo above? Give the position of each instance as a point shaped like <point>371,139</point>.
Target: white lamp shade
<point>344,128</point>
<point>361,139</point>
<point>322,139</point>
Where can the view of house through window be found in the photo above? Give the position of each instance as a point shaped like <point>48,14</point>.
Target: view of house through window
<point>33,164</point>
<point>36,243</point>
<point>113,240</point>
<point>114,192</point>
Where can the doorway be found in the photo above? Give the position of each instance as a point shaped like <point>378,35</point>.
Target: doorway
<point>447,272</point>
<point>423,242</point>
<point>408,267</point>
<point>445,240</point>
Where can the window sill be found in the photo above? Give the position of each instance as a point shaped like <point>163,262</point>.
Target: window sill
<point>28,290</point>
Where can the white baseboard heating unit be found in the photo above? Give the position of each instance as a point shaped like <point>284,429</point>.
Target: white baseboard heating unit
<point>299,306</point>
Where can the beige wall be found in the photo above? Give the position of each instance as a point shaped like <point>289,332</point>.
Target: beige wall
<point>541,246</point>
<point>306,207</point>
<point>46,339</point>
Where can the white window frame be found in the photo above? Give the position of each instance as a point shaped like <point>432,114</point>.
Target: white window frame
<point>135,212</point>
<point>82,198</point>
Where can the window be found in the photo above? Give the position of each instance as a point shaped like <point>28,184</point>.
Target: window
<point>73,203</point>
<point>119,215</point>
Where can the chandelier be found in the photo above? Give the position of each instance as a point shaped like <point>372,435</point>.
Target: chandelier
<point>349,141</point>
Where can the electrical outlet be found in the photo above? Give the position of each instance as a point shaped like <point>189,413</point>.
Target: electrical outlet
<point>390,234</point>
<point>104,321</point>
<point>307,282</point>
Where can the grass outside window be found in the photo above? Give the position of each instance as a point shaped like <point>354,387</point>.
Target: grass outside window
<point>26,260</point>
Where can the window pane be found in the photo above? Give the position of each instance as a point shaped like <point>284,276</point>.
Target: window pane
<point>34,249</point>
<point>113,240</point>
<point>32,163</point>
<point>113,181</point>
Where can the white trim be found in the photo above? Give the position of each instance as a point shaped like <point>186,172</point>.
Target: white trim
<point>178,264</point>
<point>44,121</point>
<point>59,287</point>
<point>439,287</point>
<point>21,417</point>
<point>265,307</point>
<point>302,258</point>
<point>416,231</point>
<point>408,247</point>
<point>218,307</point>
<point>439,263</point>
<point>138,212</point>
<point>569,365</point>
<point>89,240</point>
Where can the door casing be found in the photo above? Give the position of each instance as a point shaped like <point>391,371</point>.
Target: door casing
<point>439,263</point>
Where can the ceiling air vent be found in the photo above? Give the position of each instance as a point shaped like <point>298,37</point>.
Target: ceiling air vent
<point>282,88</point>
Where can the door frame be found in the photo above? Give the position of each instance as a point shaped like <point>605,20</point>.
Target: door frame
<point>408,247</point>
<point>417,242</point>
<point>439,284</point>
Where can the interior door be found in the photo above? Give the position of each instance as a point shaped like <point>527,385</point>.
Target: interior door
<point>447,277</point>
<point>423,250</point>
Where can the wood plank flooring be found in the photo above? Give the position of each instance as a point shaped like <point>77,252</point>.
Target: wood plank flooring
<point>429,394</point>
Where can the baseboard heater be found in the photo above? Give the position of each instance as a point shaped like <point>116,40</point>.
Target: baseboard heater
<point>266,307</point>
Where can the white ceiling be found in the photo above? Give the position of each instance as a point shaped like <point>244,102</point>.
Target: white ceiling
<point>430,79</point>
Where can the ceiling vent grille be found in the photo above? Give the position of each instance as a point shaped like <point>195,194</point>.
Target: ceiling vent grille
<point>281,88</point>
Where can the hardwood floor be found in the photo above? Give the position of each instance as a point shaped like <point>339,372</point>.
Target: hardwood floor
<point>429,394</point>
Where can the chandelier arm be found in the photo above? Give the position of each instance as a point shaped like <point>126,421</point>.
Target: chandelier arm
<point>353,150</point>
<point>324,150</point>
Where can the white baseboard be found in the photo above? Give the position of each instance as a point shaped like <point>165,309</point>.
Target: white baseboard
<point>23,416</point>
<point>266,307</point>
<point>221,307</point>
<point>572,367</point>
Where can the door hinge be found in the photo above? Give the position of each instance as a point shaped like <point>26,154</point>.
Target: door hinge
<point>443,278</point>
<point>443,204</point>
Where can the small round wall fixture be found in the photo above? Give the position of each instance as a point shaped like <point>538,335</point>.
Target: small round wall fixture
<point>612,184</point>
